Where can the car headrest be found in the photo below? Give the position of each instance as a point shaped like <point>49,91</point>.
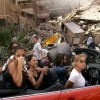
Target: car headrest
<point>52,75</point>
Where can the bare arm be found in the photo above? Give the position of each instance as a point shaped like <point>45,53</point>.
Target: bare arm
<point>33,81</point>
<point>16,73</point>
<point>38,83</point>
<point>29,52</point>
<point>41,52</point>
<point>69,84</point>
<point>38,69</point>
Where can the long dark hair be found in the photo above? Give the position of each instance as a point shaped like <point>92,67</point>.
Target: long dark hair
<point>19,48</point>
<point>59,58</point>
<point>28,58</point>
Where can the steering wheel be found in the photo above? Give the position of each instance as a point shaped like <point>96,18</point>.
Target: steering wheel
<point>93,76</point>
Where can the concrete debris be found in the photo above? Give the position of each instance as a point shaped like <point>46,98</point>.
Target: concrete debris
<point>48,32</point>
<point>87,18</point>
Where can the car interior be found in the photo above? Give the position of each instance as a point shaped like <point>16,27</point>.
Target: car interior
<point>53,81</point>
<point>91,74</point>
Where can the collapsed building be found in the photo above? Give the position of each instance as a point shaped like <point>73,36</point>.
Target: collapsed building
<point>88,20</point>
<point>84,20</point>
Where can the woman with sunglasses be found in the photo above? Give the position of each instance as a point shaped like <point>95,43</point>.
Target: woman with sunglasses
<point>36,75</point>
<point>76,78</point>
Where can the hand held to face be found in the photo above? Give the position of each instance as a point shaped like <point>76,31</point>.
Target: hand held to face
<point>20,61</point>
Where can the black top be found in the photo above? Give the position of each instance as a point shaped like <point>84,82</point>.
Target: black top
<point>10,84</point>
<point>44,84</point>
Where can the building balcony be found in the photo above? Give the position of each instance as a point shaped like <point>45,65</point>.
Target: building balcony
<point>42,2</point>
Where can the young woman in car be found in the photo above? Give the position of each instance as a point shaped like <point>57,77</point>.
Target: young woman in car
<point>15,68</point>
<point>74,63</point>
<point>35,74</point>
<point>76,78</point>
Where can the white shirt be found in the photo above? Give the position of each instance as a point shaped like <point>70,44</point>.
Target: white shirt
<point>45,52</point>
<point>11,58</point>
<point>89,40</point>
<point>77,79</point>
<point>36,50</point>
<point>5,65</point>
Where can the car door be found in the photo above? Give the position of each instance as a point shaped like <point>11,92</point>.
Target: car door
<point>39,96</point>
<point>86,93</point>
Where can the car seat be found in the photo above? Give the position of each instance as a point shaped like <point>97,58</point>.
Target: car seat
<point>52,76</point>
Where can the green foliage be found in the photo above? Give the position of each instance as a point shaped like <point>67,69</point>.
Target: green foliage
<point>6,35</point>
<point>22,39</point>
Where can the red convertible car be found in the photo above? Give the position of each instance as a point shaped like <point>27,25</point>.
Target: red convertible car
<point>58,92</point>
<point>85,93</point>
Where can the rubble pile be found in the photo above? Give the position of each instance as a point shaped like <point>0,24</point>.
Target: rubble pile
<point>88,19</point>
<point>48,32</point>
<point>45,30</point>
<point>51,40</point>
<point>97,2</point>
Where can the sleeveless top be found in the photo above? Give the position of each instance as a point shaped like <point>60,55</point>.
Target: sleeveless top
<point>44,84</point>
<point>10,84</point>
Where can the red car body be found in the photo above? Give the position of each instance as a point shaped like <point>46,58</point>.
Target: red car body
<point>85,93</point>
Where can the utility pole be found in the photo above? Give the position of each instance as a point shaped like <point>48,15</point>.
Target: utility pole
<point>18,14</point>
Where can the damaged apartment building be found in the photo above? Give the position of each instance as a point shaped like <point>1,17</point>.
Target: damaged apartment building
<point>26,14</point>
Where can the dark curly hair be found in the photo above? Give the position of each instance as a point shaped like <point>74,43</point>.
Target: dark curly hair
<point>59,58</point>
<point>29,57</point>
<point>19,48</point>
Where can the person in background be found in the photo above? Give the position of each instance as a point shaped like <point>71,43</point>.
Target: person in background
<point>36,75</point>
<point>60,61</point>
<point>12,46</point>
<point>76,78</point>
<point>37,51</point>
<point>47,57</point>
<point>90,42</point>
